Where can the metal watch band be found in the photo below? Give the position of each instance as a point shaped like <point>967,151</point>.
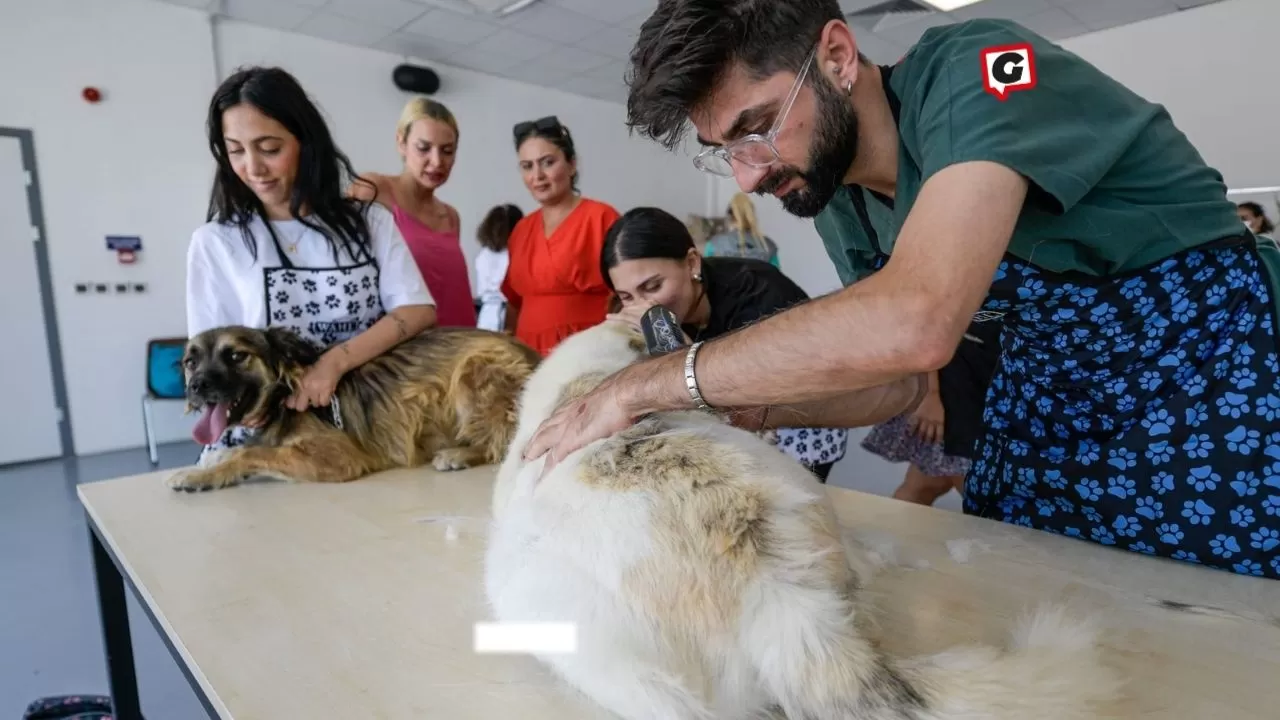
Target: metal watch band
<point>691,378</point>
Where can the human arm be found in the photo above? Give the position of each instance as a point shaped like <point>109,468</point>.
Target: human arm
<point>860,408</point>
<point>927,420</point>
<point>904,320</point>
<point>514,299</point>
<point>371,187</point>
<point>409,310</point>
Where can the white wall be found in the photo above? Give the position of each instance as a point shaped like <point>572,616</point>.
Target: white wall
<point>138,163</point>
<point>1212,67</point>
<point>133,164</point>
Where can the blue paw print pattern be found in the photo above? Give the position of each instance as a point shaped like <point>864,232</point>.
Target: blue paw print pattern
<point>1139,412</point>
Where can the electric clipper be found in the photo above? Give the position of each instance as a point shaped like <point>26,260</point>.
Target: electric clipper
<point>661,330</point>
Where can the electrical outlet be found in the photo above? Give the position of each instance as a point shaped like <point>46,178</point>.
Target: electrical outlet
<point>122,288</point>
<point>139,287</point>
<point>82,288</point>
<point>101,288</point>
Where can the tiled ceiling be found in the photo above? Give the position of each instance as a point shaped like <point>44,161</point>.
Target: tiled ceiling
<point>581,45</point>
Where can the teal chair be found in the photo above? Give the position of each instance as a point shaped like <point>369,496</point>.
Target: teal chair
<point>164,382</point>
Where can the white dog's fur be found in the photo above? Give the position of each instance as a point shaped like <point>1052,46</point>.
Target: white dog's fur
<point>707,578</point>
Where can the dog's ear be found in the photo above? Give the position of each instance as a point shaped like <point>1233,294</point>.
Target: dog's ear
<point>291,348</point>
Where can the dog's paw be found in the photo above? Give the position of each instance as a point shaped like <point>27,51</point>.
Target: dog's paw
<point>194,480</point>
<point>451,459</point>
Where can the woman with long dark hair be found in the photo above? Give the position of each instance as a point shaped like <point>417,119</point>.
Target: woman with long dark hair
<point>285,247</point>
<point>649,258</point>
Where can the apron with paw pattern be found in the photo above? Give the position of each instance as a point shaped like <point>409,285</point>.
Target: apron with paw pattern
<point>324,305</point>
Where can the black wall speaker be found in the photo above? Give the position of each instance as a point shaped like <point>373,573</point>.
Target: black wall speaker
<point>414,79</point>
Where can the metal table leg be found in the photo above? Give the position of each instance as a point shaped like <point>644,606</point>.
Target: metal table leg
<point>114,613</point>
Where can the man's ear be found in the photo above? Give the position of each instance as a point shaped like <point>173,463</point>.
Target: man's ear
<point>291,348</point>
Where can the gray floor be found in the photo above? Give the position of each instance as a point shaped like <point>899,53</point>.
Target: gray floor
<point>50,639</point>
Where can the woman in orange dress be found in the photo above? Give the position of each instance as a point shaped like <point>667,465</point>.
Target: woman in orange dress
<point>554,287</point>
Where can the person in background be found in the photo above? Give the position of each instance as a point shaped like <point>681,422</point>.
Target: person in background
<point>283,247</point>
<point>427,138</point>
<point>1252,215</point>
<point>649,258</point>
<point>743,237</point>
<point>938,438</point>
<point>553,285</point>
<point>491,265</point>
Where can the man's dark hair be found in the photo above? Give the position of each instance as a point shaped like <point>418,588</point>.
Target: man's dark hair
<point>686,46</point>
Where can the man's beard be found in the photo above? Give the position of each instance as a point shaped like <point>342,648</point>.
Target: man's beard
<point>834,146</point>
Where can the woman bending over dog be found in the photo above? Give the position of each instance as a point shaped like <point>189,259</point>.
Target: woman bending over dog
<point>283,247</point>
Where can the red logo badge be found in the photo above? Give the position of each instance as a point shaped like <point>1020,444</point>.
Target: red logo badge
<point>1008,68</point>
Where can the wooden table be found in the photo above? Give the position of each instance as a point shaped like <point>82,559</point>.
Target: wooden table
<point>358,600</point>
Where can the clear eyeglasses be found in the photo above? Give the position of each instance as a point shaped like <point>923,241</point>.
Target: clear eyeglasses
<point>753,150</point>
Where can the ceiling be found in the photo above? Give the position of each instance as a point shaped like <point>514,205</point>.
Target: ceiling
<point>580,45</point>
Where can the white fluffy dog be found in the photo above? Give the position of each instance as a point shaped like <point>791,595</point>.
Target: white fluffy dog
<point>706,576</point>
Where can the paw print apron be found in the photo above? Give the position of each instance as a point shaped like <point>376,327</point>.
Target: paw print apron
<point>1141,411</point>
<point>324,305</point>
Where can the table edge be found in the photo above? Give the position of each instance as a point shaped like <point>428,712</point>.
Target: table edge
<point>158,618</point>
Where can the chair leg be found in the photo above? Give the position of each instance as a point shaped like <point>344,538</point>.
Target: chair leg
<point>146,425</point>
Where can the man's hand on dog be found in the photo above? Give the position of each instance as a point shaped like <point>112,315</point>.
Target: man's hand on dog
<point>317,386</point>
<point>596,415</point>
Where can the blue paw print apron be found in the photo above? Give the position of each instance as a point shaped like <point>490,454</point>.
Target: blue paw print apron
<point>323,305</point>
<point>1141,412</point>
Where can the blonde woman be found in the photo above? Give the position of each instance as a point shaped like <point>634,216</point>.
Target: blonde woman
<point>743,237</point>
<point>427,138</point>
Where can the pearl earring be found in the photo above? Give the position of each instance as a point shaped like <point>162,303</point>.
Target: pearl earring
<point>697,277</point>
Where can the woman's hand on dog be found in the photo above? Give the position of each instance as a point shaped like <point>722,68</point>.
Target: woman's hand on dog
<point>317,386</point>
<point>630,314</point>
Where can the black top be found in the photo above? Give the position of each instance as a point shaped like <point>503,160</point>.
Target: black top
<point>741,291</point>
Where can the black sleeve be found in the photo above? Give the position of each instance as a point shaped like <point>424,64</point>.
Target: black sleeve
<point>761,291</point>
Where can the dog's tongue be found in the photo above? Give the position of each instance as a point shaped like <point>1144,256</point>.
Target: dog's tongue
<point>212,423</point>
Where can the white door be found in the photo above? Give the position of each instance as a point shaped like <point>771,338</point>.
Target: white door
<point>29,422</point>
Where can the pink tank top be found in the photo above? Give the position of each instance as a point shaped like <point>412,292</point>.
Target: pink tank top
<point>444,268</point>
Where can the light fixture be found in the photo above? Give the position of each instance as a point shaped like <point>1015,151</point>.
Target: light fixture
<point>492,8</point>
<point>949,5</point>
<point>516,6</point>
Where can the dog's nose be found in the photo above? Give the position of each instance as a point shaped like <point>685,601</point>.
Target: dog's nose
<point>198,385</point>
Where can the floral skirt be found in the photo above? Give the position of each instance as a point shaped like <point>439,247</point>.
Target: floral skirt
<point>894,441</point>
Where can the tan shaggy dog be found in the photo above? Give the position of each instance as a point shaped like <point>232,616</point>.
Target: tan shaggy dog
<point>447,397</point>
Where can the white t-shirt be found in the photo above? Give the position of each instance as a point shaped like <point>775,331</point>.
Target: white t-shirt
<point>491,270</point>
<point>225,284</point>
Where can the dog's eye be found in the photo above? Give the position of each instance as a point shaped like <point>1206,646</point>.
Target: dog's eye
<point>239,356</point>
<point>189,363</point>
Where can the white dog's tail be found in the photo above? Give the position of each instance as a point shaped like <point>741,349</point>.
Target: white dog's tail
<point>1051,671</point>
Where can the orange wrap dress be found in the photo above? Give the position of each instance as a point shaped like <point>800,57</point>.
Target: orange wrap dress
<point>555,281</point>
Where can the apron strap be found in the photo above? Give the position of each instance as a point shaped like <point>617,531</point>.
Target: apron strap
<point>859,193</point>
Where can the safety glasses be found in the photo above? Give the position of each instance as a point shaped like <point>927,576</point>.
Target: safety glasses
<point>753,150</point>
